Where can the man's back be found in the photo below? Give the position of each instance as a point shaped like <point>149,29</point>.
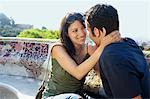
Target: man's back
<point>124,70</point>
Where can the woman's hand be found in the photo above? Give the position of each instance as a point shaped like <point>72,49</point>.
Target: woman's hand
<point>110,38</point>
<point>91,49</point>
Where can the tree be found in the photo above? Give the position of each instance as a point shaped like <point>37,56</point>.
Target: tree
<point>12,22</point>
<point>4,20</point>
<point>37,33</point>
<point>9,31</point>
<point>44,28</point>
<point>8,28</point>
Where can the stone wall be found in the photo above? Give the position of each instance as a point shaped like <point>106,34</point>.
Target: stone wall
<point>23,63</point>
<point>23,57</point>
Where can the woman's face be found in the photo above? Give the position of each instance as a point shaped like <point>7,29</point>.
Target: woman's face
<point>77,33</point>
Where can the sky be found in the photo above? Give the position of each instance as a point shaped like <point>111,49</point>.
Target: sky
<point>134,15</point>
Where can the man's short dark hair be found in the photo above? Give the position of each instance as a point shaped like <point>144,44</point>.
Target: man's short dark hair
<point>102,15</point>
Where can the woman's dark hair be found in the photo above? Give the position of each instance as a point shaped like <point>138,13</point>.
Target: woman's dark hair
<point>66,22</point>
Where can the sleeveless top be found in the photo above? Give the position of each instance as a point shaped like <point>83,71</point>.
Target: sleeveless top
<point>61,81</point>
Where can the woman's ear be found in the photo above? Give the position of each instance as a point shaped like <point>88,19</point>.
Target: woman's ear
<point>97,32</point>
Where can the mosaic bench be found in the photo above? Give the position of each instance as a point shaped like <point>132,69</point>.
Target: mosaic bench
<point>23,63</point>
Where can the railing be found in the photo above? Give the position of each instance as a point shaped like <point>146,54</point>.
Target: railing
<point>22,65</point>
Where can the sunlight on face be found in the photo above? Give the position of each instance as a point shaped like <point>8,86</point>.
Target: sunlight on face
<point>77,32</point>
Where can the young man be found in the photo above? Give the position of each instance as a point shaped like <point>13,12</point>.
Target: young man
<point>123,68</point>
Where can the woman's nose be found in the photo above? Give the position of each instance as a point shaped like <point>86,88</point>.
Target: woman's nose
<point>82,32</point>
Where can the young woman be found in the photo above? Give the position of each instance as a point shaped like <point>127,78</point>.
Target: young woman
<point>71,59</point>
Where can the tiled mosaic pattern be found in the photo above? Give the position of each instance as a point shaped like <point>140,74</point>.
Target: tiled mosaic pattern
<point>29,54</point>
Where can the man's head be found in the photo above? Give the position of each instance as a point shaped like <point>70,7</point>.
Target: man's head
<point>99,18</point>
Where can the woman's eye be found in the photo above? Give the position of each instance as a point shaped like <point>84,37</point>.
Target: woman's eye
<point>75,30</point>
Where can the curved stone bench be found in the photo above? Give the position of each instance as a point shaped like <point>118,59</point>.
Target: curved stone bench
<point>22,66</point>
<point>8,92</point>
<point>23,63</point>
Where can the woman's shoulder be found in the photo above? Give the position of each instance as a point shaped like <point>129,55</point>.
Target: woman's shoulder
<point>57,49</point>
<point>56,45</point>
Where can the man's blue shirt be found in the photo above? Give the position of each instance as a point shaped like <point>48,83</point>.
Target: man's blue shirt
<point>124,70</point>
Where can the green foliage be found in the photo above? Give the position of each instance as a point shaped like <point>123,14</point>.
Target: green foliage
<point>37,33</point>
<point>8,28</point>
<point>9,31</point>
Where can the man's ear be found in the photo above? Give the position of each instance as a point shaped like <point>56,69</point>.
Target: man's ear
<point>103,32</point>
<point>97,32</point>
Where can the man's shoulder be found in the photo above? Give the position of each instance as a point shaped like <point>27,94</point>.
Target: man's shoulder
<point>111,51</point>
<point>121,49</point>
<point>113,47</point>
<point>125,44</point>
<point>118,49</point>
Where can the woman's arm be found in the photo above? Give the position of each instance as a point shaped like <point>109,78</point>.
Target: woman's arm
<point>67,63</point>
<point>79,71</point>
<point>91,50</point>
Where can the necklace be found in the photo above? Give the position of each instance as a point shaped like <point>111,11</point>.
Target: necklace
<point>79,55</point>
<point>79,51</point>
